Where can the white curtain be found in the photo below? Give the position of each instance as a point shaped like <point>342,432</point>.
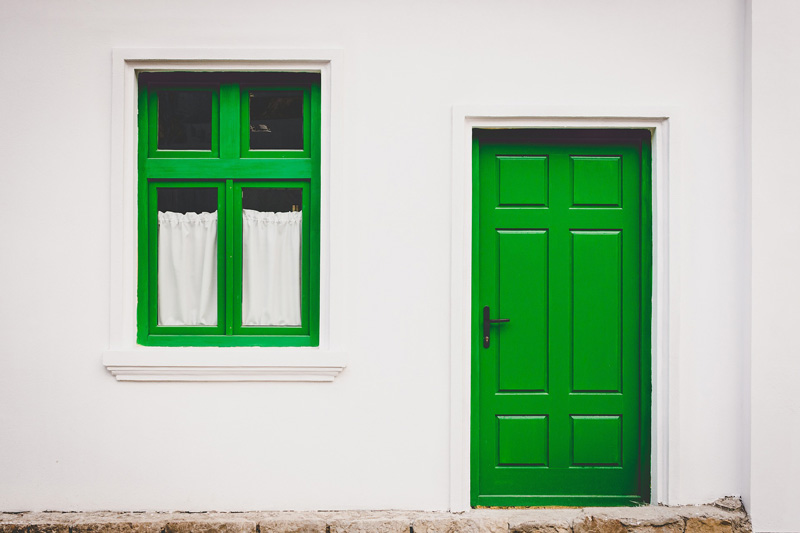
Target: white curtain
<point>271,268</point>
<point>187,269</point>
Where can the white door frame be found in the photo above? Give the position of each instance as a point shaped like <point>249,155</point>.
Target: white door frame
<point>662,123</point>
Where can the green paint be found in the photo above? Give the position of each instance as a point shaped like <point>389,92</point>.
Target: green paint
<point>227,167</point>
<point>562,248</point>
<point>230,137</point>
<point>523,181</point>
<point>527,440</point>
<point>221,169</point>
<point>596,181</point>
<point>597,440</point>
<point>231,247</point>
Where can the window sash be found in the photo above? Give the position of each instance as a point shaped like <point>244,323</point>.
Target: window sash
<point>152,110</point>
<point>305,266</point>
<point>152,256</point>
<point>244,121</point>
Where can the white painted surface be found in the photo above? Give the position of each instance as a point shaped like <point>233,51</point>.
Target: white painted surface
<point>775,438</point>
<point>377,437</point>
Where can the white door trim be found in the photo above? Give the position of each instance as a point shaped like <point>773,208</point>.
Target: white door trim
<point>662,123</point>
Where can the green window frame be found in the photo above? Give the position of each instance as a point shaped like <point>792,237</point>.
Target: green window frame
<point>229,167</point>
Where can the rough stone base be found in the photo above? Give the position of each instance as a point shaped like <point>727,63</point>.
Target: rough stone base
<point>723,516</point>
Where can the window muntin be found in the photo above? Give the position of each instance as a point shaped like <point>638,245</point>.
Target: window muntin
<point>272,181</point>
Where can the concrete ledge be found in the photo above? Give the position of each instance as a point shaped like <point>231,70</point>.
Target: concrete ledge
<point>724,516</point>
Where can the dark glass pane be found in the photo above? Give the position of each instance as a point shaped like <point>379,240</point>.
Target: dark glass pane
<point>187,200</point>
<point>276,120</point>
<point>187,256</point>
<point>184,120</point>
<point>272,199</point>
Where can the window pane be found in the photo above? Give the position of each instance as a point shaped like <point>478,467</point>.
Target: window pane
<point>276,120</point>
<point>187,256</point>
<point>271,256</point>
<point>184,120</point>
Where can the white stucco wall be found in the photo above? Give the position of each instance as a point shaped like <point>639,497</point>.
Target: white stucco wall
<point>72,438</point>
<point>775,439</point>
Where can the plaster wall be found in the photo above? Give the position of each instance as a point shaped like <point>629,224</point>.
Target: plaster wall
<point>377,437</point>
<point>775,436</point>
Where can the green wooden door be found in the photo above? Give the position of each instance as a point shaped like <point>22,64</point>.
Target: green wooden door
<point>562,248</point>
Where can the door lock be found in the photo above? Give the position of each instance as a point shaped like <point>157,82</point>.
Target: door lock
<point>487,324</point>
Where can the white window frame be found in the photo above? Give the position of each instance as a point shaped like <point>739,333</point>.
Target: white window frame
<point>127,360</point>
<point>662,123</point>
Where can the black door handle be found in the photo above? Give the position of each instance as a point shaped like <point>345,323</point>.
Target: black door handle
<point>487,325</point>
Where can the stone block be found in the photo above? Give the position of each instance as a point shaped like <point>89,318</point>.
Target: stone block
<point>430,523</point>
<point>593,524</point>
<point>650,519</point>
<point>292,524</point>
<point>48,522</point>
<point>730,503</point>
<point>725,518</point>
<point>210,525</point>
<point>13,528</point>
<point>708,525</point>
<point>742,525</point>
<point>118,524</point>
<point>537,527</point>
<point>48,527</point>
<point>370,525</point>
<point>542,521</point>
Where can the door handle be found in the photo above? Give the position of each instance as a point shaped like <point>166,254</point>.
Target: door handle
<point>487,325</point>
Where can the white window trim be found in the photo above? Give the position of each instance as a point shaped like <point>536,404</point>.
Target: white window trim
<point>662,123</point>
<point>128,361</point>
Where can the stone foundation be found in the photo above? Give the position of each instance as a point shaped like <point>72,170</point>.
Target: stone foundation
<point>724,516</point>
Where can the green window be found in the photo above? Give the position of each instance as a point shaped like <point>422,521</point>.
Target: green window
<point>228,209</point>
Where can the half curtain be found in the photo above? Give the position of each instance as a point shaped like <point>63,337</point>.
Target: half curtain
<point>271,273</point>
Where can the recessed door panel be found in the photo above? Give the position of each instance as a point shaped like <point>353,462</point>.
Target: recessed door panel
<point>522,354</point>
<point>523,181</point>
<point>522,441</point>
<point>596,181</point>
<point>596,311</point>
<point>596,440</point>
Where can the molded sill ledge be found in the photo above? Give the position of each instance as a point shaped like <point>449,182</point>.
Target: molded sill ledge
<point>224,364</point>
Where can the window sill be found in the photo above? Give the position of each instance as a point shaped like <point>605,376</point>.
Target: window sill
<point>223,364</point>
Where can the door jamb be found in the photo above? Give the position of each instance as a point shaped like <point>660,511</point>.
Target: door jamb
<point>661,123</point>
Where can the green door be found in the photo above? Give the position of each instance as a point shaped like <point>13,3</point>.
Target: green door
<point>562,251</point>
